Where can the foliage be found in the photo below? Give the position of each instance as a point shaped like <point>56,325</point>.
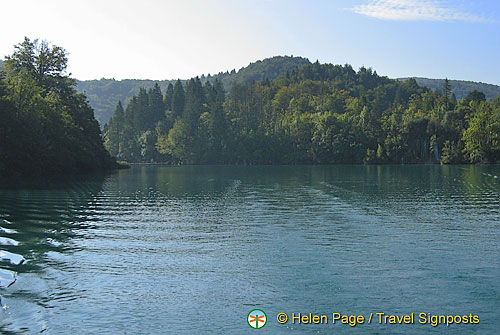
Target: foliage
<point>318,113</point>
<point>460,87</point>
<point>45,125</point>
<point>104,93</point>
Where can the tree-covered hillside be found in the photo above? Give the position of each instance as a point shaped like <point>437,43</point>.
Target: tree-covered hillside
<point>460,87</point>
<point>46,127</point>
<point>104,93</point>
<point>315,114</point>
<point>268,68</point>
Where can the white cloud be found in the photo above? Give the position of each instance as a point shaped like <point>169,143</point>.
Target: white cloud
<point>414,10</point>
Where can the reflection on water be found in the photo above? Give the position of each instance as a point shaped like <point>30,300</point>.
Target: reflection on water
<point>193,249</point>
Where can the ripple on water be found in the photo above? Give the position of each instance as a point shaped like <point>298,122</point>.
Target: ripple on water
<point>385,238</point>
<point>7,278</point>
<point>8,241</point>
<point>11,257</point>
<point>7,230</point>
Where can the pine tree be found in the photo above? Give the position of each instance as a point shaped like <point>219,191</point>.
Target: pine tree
<point>113,135</point>
<point>193,107</point>
<point>142,112</point>
<point>156,107</point>
<point>168,97</point>
<point>447,92</point>
<point>178,99</point>
<point>217,122</point>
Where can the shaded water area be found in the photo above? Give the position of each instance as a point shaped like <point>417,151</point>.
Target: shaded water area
<point>191,250</point>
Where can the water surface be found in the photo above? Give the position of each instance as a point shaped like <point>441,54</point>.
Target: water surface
<point>191,250</point>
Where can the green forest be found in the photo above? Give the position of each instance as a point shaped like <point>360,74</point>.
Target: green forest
<point>312,114</point>
<point>284,110</point>
<point>104,93</point>
<point>46,127</point>
<point>461,88</point>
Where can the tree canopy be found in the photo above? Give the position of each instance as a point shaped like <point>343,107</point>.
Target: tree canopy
<point>314,114</point>
<point>45,125</point>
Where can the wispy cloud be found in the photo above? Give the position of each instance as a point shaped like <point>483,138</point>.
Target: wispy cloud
<point>414,10</point>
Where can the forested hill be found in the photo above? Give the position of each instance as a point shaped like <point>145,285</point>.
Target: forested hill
<point>103,94</point>
<point>460,87</point>
<point>269,68</point>
<point>314,114</point>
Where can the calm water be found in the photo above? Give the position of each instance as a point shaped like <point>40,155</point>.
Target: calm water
<point>191,250</point>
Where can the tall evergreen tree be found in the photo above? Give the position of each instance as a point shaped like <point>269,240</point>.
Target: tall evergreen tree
<point>142,112</point>
<point>447,92</point>
<point>217,122</point>
<point>178,99</point>
<point>193,108</point>
<point>169,94</point>
<point>114,132</point>
<point>156,106</point>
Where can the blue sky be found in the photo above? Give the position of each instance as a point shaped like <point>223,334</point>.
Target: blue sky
<point>180,39</point>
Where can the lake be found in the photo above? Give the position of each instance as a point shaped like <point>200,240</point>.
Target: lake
<point>192,250</point>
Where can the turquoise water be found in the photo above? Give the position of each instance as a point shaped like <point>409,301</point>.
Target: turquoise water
<point>192,250</point>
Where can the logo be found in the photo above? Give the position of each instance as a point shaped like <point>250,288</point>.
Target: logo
<point>257,318</point>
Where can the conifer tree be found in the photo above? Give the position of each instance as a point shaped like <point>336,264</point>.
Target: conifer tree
<point>217,122</point>
<point>169,94</point>
<point>113,135</point>
<point>156,106</point>
<point>193,107</point>
<point>178,99</point>
<point>447,92</point>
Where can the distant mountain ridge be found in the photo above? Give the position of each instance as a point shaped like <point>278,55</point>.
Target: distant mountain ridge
<point>104,94</point>
<point>460,87</point>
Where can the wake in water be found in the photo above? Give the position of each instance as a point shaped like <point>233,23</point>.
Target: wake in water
<point>7,275</point>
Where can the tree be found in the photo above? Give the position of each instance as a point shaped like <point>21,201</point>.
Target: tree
<point>46,64</point>
<point>447,92</point>
<point>156,107</point>
<point>178,143</point>
<point>217,122</point>
<point>482,137</point>
<point>54,126</point>
<point>195,99</point>
<point>475,96</point>
<point>178,99</point>
<point>115,129</point>
<point>318,113</point>
<point>169,94</point>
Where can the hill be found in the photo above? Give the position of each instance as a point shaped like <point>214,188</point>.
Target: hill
<point>313,114</point>
<point>269,68</point>
<point>460,87</point>
<point>104,94</point>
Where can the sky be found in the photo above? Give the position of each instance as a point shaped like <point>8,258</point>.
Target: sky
<point>163,39</point>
